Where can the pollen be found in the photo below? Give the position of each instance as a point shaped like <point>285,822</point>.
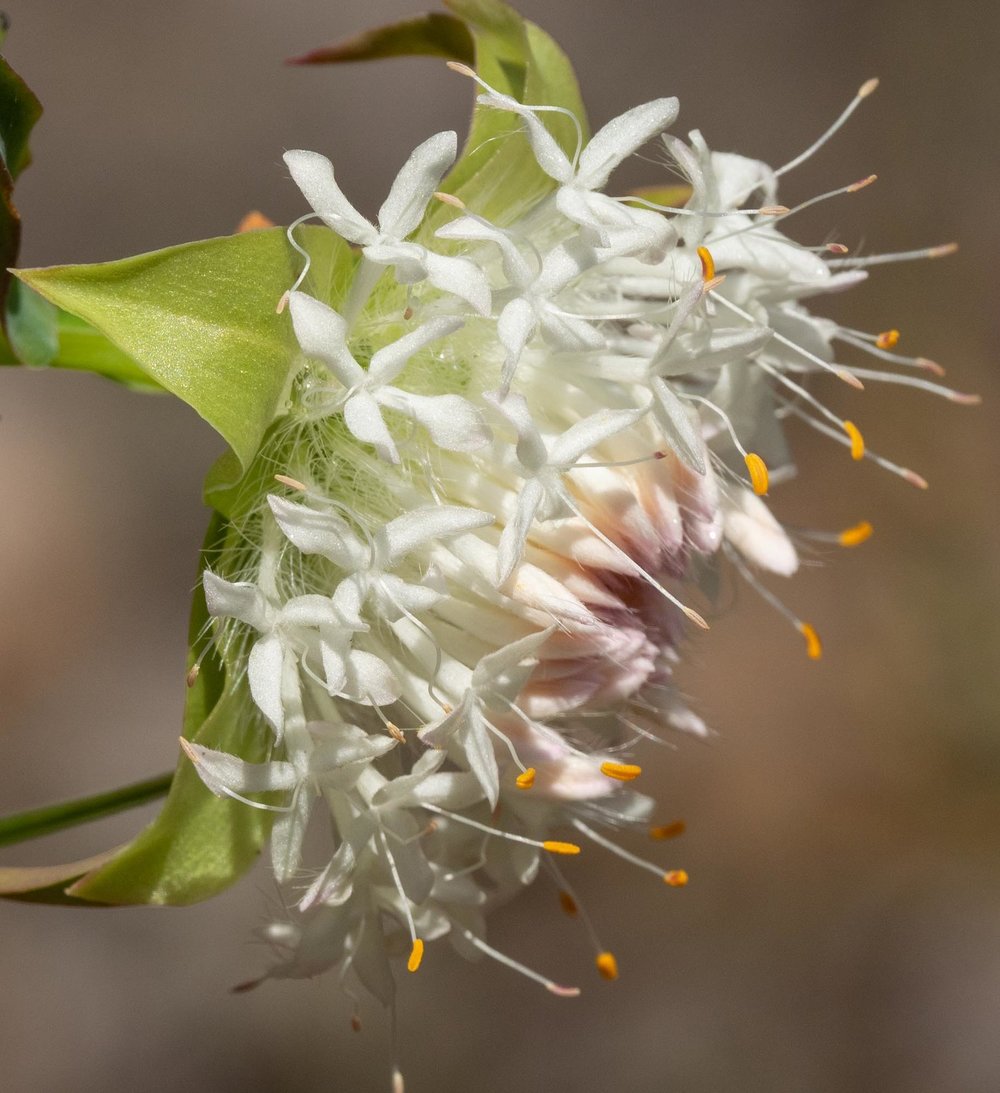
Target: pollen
<point>607,965</point>
<point>416,955</point>
<point>856,535</point>
<point>568,904</point>
<point>621,772</point>
<point>668,831</point>
<point>707,263</point>
<point>527,779</point>
<point>758,473</point>
<point>676,878</point>
<point>887,339</point>
<point>555,847</point>
<point>814,647</point>
<point>857,440</point>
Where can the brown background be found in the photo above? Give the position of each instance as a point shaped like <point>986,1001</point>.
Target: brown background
<point>842,928</point>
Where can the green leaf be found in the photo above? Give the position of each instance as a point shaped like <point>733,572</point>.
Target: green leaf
<point>19,110</point>
<point>200,319</point>
<point>45,821</point>
<point>199,844</point>
<point>430,35</point>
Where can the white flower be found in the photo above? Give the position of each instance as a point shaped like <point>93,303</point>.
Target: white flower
<point>461,643</point>
<point>399,217</point>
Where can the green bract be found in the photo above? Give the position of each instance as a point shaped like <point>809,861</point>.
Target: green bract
<point>201,321</point>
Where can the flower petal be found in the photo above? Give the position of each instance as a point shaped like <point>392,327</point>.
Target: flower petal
<point>313,174</point>
<point>415,184</point>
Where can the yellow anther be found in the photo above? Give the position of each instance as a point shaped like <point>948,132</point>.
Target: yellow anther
<point>856,535</point>
<point>607,965</point>
<point>621,772</point>
<point>857,440</point>
<point>568,904</point>
<point>554,847</point>
<point>676,878</point>
<point>814,647</point>
<point>668,831</point>
<point>707,263</point>
<point>887,339</point>
<point>527,779</point>
<point>416,955</point>
<point>758,473</point>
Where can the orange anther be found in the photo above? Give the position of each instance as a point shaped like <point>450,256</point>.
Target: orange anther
<point>668,831</point>
<point>707,263</point>
<point>621,772</point>
<point>758,473</point>
<point>857,440</point>
<point>814,647</point>
<point>554,847</point>
<point>887,339</point>
<point>527,779</point>
<point>416,955</point>
<point>854,536</point>
<point>607,965</point>
<point>568,904</point>
<point>676,878</point>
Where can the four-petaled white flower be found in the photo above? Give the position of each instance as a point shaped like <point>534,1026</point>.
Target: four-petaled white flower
<point>399,216</point>
<point>451,420</point>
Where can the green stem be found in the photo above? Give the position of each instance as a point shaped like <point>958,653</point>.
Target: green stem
<point>44,821</point>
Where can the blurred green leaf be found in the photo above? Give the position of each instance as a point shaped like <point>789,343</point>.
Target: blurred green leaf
<point>19,110</point>
<point>433,34</point>
<point>79,347</point>
<point>47,883</point>
<point>200,320</point>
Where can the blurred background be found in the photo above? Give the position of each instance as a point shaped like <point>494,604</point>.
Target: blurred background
<point>841,931</point>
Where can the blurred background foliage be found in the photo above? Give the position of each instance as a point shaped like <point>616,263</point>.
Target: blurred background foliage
<point>842,927</point>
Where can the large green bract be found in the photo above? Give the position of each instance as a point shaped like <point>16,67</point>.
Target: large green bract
<point>200,321</point>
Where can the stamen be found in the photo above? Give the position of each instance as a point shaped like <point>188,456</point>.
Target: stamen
<point>621,772</point>
<point>676,878</point>
<point>840,373</point>
<point>195,758</point>
<point>527,779</point>
<point>707,263</point>
<point>548,984</point>
<point>416,955</point>
<point>607,965</point>
<point>862,93</point>
<point>758,473</point>
<point>417,949</point>
<point>814,647</point>
<point>856,535</point>
<point>551,846</point>
<point>887,339</point>
<point>857,440</point>
<point>192,675</point>
<point>940,251</point>
<point>668,831</point>
<point>395,732</point>
<point>949,393</point>
<point>834,434</point>
<point>625,855</point>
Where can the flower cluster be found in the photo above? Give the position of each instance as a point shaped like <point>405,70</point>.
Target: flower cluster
<point>517,444</point>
